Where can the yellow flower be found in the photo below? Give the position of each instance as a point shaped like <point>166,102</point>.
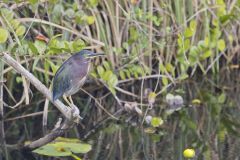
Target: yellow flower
<point>189,153</point>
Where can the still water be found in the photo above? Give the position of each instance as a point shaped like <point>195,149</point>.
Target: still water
<point>207,121</point>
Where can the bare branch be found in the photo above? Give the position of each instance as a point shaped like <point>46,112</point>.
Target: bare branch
<point>41,87</point>
<point>58,130</point>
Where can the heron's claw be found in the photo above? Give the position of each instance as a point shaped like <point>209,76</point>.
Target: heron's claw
<point>75,113</point>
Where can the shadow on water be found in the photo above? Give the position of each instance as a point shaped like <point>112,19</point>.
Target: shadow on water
<point>208,122</point>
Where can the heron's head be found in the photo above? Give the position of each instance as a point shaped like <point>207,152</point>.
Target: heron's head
<point>89,54</point>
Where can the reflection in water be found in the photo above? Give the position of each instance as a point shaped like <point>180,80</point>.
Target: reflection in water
<point>208,122</point>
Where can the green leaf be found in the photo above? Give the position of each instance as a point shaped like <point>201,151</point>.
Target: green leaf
<point>76,147</point>
<point>106,65</point>
<point>19,79</point>
<point>169,67</point>
<point>50,150</point>
<point>221,10</point>
<point>225,18</point>
<point>53,66</point>
<point>3,35</point>
<point>201,45</point>
<point>15,23</point>
<point>156,20</point>
<point>92,3</point>
<point>162,68</point>
<point>193,55</point>
<point>183,76</point>
<point>90,20</point>
<point>7,13</point>
<point>33,1</point>
<point>68,46</point>
<point>135,74</point>
<point>193,51</point>
<point>222,98</point>
<point>78,45</point>
<point>40,45</point>
<point>20,30</point>
<point>122,75</point>
<point>156,122</point>
<point>206,41</point>
<point>107,75</point>
<point>193,25</point>
<point>127,73</point>
<point>134,35</point>
<point>93,74</point>
<point>221,45</point>
<point>180,40</point>
<point>80,18</point>
<point>165,81</point>
<point>215,22</point>
<point>188,33</point>
<point>140,70</point>
<point>112,90</point>
<point>63,147</point>
<point>215,34</point>
<point>100,70</point>
<point>70,13</point>
<point>206,54</point>
<point>113,80</point>
<point>186,44</point>
<point>32,48</point>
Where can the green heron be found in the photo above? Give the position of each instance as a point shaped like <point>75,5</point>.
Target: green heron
<point>72,74</point>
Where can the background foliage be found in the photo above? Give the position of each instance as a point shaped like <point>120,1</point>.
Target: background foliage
<point>151,47</point>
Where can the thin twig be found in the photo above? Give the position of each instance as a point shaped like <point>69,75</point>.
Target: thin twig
<point>45,115</point>
<point>140,78</point>
<point>99,104</point>
<point>61,27</point>
<point>2,132</point>
<point>24,116</point>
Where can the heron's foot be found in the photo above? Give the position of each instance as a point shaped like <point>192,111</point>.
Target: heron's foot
<point>75,113</point>
<point>69,101</point>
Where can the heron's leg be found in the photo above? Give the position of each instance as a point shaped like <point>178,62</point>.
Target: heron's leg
<point>66,100</point>
<point>70,98</point>
<point>71,104</point>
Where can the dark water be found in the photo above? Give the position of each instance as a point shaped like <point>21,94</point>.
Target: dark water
<point>208,122</point>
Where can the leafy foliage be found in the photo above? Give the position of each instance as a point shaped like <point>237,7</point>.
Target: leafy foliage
<point>63,147</point>
<point>3,35</point>
<point>151,47</point>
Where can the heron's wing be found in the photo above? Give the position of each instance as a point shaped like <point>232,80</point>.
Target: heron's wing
<point>61,81</point>
<point>70,76</point>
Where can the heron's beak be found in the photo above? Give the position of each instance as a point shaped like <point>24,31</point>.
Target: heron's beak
<point>95,55</point>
